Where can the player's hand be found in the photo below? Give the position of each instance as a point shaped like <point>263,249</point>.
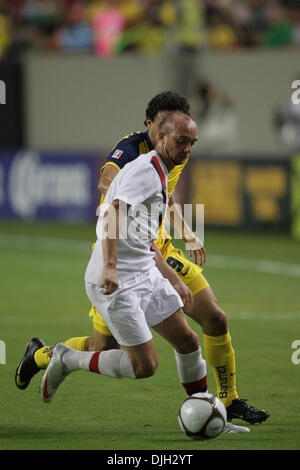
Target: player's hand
<point>110,281</point>
<point>185,294</point>
<point>195,248</point>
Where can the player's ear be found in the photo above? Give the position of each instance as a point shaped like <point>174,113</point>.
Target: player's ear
<point>148,123</point>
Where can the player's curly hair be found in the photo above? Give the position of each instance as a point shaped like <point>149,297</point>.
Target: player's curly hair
<point>166,101</point>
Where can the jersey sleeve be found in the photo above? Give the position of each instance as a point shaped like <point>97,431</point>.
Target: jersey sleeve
<point>138,185</point>
<point>118,158</point>
<point>121,154</point>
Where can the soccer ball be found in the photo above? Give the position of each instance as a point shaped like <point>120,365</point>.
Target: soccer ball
<point>202,416</point>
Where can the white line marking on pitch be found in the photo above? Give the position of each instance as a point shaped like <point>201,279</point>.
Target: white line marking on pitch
<point>232,316</point>
<point>81,247</point>
<point>264,316</point>
<point>250,264</point>
<point>35,243</point>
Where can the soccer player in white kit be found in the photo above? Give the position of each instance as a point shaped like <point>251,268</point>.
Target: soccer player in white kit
<point>123,279</point>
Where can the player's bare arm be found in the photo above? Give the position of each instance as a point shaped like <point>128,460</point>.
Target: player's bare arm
<point>111,231</point>
<point>107,175</point>
<point>169,273</point>
<point>194,244</point>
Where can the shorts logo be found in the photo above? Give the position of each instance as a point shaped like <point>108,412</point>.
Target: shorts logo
<point>117,153</point>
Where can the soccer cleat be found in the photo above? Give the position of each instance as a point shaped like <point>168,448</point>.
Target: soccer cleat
<point>55,373</point>
<point>234,429</point>
<point>240,409</point>
<point>27,367</point>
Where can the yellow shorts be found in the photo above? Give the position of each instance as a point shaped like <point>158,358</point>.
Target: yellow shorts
<point>189,272</point>
<point>98,322</point>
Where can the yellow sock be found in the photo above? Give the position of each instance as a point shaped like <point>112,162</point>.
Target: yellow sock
<point>42,356</point>
<point>220,356</point>
<point>76,343</point>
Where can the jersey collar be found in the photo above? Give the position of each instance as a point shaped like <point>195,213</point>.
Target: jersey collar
<point>165,169</point>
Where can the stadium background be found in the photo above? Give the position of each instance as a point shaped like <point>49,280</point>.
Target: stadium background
<point>77,76</point>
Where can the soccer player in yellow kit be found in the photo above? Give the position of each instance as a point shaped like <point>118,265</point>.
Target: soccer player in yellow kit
<point>206,311</point>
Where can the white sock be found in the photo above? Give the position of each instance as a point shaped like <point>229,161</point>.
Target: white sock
<point>114,363</point>
<point>191,369</point>
<point>77,360</point>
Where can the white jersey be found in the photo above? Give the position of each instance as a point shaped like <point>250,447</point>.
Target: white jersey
<point>142,184</point>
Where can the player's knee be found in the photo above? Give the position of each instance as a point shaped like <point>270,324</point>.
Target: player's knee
<point>101,343</point>
<point>146,368</point>
<point>216,320</point>
<point>189,342</point>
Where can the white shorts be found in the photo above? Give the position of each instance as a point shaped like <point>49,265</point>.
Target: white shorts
<point>137,305</point>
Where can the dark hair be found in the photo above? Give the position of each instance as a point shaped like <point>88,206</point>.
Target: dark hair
<point>166,101</point>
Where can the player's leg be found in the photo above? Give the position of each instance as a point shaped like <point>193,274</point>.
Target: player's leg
<point>42,356</point>
<point>220,355</point>
<point>217,343</point>
<point>219,352</point>
<point>207,312</point>
<point>156,302</point>
<point>138,361</point>
<point>101,338</point>
<point>125,318</point>
<point>175,329</point>
<point>37,354</point>
<point>213,321</point>
<point>191,366</point>
<point>135,361</point>
<point>128,314</point>
<point>99,342</point>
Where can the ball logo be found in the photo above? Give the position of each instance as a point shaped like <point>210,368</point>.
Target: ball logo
<point>2,92</point>
<point>296,94</point>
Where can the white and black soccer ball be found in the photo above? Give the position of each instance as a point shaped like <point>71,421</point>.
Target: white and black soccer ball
<point>202,416</point>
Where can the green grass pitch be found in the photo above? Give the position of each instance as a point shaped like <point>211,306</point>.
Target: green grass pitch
<point>256,279</point>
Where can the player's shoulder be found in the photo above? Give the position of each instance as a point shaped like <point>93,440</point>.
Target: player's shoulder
<point>140,177</point>
<point>131,142</point>
<point>151,168</point>
<point>141,165</point>
<point>129,148</point>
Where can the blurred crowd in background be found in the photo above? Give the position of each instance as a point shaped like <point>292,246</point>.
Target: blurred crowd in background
<point>110,27</point>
